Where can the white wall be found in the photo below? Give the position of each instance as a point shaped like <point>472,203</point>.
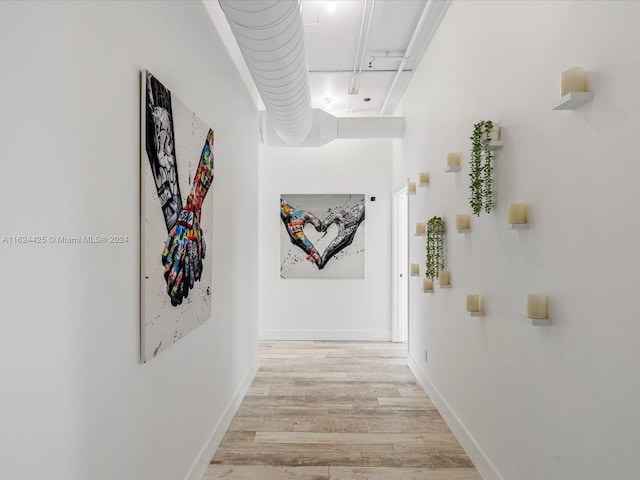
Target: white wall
<point>76,402</point>
<point>545,403</point>
<point>309,309</point>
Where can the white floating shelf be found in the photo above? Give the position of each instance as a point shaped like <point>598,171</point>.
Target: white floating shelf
<point>572,100</point>
<point>427,291</point>
<point>517,226</point>
<point>476,314</point>
<point>495,145</point>
<point>464,230</point>
<point>453,169</point>
<point>536,322</point>
<point>445,286</point>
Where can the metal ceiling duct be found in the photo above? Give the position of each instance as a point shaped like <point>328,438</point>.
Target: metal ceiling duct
<point>327,128</point>
<point>270,35</point>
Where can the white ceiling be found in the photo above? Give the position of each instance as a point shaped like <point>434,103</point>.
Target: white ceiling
<point>358,47</point>
<point>332,50</point>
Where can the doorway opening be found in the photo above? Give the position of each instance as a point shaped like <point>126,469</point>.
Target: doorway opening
<point>400,246</point>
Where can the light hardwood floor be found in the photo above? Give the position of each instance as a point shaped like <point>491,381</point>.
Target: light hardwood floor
<point>337,411</point>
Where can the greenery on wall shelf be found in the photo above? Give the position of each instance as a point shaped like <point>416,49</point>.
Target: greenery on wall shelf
<point>481,169</point>
<point>435,247</point>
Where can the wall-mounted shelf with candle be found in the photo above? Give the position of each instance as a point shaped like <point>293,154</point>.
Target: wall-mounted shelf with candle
<point>474,306</point>
<point>453,162</point>
<point>463,223</point>
<point>517,214</point>
<point>573,90</point>
<point>414,269</point>
<point>537,310</point>
<point>424,179</point>
<point>411,187</point>
<point>427,285</point>
<point>444,279</point>
<point>421,229</point>
<point>494,138</point>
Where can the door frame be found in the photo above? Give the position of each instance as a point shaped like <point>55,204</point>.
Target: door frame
<point>400,261</point>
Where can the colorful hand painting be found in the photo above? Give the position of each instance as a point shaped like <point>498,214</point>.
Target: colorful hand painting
<point>178,148</point>
<point>343,212</point>
<point>185,246</point>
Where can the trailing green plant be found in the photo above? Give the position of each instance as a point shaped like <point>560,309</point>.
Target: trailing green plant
<point>435,247</point>
<point>481,173</point>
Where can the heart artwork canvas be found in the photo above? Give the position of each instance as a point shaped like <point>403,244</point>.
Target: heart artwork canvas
<point>322,236</point>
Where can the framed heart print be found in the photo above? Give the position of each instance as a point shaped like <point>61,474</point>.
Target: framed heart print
<point>322,236</point>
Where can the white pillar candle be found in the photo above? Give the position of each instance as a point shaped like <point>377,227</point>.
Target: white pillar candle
<point>573,80</point>
<point>537,306</point>
<point>411,188</point>
<point>517,213</point>
<point>453,159</point>
<point>424,178</point>
<point>463,222</point>
<point>427,284</point>
<point>415,269</point>
<point>421,228</point>
<point>473,303</point>
<point>444,277</point>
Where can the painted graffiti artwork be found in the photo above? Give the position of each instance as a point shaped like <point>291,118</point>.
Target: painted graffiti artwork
<point>322,236</point>
<point>176,210</point>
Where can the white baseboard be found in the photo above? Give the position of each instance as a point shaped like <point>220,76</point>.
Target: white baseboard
<point>201,463</point>
<point>353,335</point>
<point>483,463</point>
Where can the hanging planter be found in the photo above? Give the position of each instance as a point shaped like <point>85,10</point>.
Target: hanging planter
<point>481,169</point>
<point>435,247</point>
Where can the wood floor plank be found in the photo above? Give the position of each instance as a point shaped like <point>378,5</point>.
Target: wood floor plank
<point>383,473</point>
<point>353,391</point>
<point>235,437</point>
<point>276,375</point>
<point>339,438</point>
<point>308,448</point>
<point>271,424</point>
<point>265,473</point>
<point>336,411</point>
<point>405,401</point>
<point>259,391</point>
<point>416,459</point>
<point>411,391</point>
<point>304,401</point>
<point>365,424</point>
<point>289,457</point>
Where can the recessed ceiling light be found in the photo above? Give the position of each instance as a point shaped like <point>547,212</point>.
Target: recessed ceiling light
<point>331,6</point>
